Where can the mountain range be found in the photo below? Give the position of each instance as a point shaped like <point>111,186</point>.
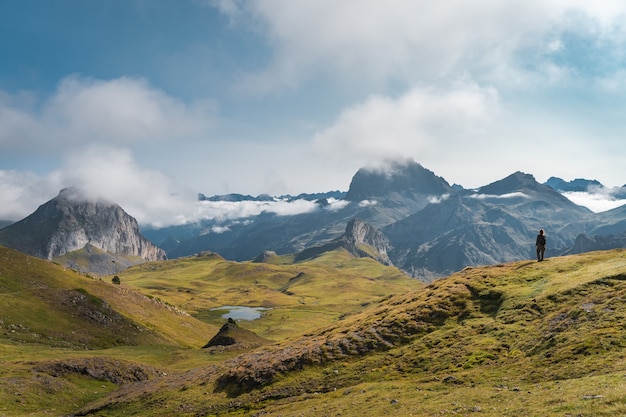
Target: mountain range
<point>404,215</point>
<point>430,228</point>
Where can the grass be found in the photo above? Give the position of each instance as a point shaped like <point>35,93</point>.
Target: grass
<point>351,338</point>
<point>523,338</point>
<point>302,296</point>
<point>50,313</point>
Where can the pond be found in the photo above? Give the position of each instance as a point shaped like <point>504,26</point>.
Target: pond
<point>241,312</point>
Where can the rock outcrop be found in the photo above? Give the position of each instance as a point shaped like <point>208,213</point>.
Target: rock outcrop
<point>360,239</point>
<point>231,335</point>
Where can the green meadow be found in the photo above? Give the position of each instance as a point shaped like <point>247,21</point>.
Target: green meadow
<point>344,336</point>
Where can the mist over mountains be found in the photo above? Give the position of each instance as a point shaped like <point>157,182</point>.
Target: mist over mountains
<point>431,228</point>
<point>414,220</point>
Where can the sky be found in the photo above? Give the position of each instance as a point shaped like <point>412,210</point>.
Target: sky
<point>150,102</point>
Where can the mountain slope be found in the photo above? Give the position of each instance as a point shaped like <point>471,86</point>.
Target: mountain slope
<point>524,338</point>
<point>66,339</point>
<point>496,224</point>
<point>46,304</point>
<point>301,295</point>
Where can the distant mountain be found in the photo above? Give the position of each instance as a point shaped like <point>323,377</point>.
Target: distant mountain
<point>585,243</point>
<point>578,184</point>
<point>71,221</point>
<point>407,178</point>
<point>498,223</point>
<point>264,197</point>
<point>583,185</point>
<point>430,228</point>
<point>388,196</point>
<point>235,197</point>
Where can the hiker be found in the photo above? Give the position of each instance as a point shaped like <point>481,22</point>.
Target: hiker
<point>540,243</point>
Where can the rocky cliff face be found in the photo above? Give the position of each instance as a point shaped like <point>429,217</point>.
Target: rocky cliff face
<point>360,239</point>
<point>71,221</point>
<point>586,243</point>
<point>360,236</point>
<point>406,177</point>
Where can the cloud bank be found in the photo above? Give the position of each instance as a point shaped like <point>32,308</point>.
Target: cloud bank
<point>597,200</point>
<point>148,195</point>
<point>121,111</point>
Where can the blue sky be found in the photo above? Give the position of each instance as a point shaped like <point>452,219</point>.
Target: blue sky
<point>149,102</point>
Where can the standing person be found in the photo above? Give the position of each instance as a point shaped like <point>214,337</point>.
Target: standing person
<point>540,243</point>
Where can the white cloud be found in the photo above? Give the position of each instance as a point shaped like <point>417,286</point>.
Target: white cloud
<point>226,210</point>
<point>414,124</point>
<point>121,111</point>
<point>367,203</point>
<point>112,174</point>
<point>502,196</point>
<point>438,199</point>
<point>229,210</point>
<point>22,192</point>
<point>101,172</point>
<point>596,200</point>
<point>374,41</point>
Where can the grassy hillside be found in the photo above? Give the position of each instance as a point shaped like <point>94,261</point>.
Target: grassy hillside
<point>66,338</point>
<point>47,304</point>
<point>348,337</point>
<point>302,296</point>
<point>525,338</point>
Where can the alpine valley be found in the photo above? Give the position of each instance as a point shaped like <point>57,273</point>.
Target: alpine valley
<point>403,296</point>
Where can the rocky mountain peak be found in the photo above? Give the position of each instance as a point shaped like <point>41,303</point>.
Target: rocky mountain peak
<point>517,181</point>
<point>578,184</point>
<point>397,176</point>
<point>70,221</point>
<point>360,239</point>
<point>359,232</point>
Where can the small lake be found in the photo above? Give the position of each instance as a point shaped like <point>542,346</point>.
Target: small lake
<point>241,312</point>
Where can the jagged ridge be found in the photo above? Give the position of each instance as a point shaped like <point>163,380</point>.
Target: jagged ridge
<point>360,239</point>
